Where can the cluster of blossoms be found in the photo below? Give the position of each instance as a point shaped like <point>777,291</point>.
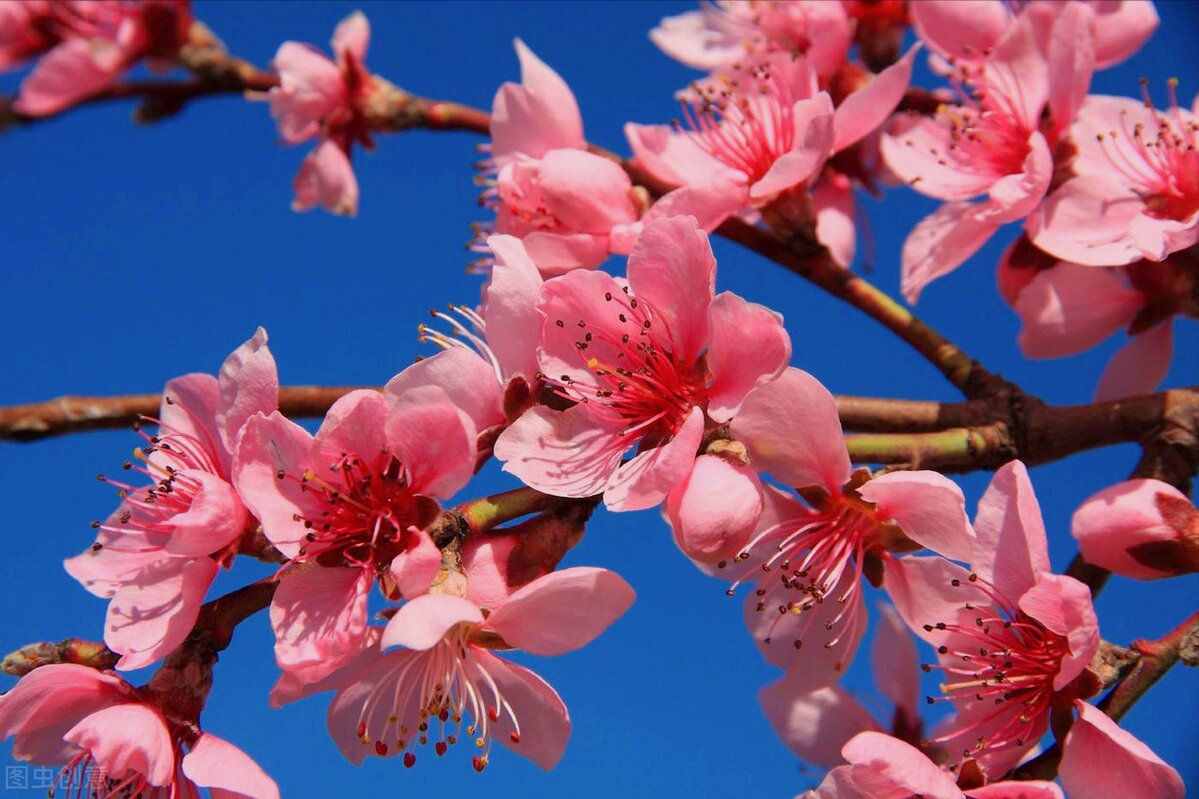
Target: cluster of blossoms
<point>653,390</point>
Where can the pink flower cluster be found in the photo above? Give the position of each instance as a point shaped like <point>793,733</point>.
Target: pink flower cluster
<point>84,46</point>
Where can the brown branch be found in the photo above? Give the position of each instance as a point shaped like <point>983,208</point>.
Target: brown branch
<point>72,414</point>
<point>951,437</point>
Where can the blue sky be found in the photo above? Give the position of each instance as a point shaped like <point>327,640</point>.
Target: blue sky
<point>133,255</point>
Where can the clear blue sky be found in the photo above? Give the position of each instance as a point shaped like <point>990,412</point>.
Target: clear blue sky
<point>132,255</point>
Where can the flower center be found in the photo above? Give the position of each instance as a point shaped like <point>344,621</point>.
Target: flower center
<point>629,377</point>
<point>1160,163</point>
<point>1002,657</point>
<point>807,560</point>
<point>364,512</point>
<point>429,695</point>
<point>743,119</point>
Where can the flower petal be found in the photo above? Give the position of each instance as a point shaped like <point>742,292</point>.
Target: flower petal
<point>748,346</point>
<point>814,725</point>
<point>1139,366</point>
<point>1010,549</point>
<point>421,623</point>
<point>217,764</point>
<point>125,738</point>
<point>562,611</point>
<point>928,506</point>
<point>1099,758</point>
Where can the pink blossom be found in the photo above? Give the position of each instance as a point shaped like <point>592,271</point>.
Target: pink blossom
<point>156,555</point>
<point>646,362</point>
<point>1011,636</point>
<point>1144,529</point>
<point>757,138</point>
<point>97,725</point>
<point>88,44</point>
<point>352,503</point>
<point>570,207</point>
<point>882,766</point>
<point>816,724</point>
<point>446,684</point>
<point>1066,308</point>
<point>994,145</point>
<point>722,33</point>
<point>966,30</point>
<point>1099,758</point>
<point>490,356</point>
<point>319,96</point>
<point>1135,193</point>
<point>807,559</point>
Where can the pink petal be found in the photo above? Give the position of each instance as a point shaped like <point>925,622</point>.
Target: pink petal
<point>958,29</point>
<point>352,35</point>
<point>326,179</point>
<point>714,510</point>
<point>923,592</point>
<point>319,616</point>
<point>928,507</point>
<point>1099,758</point>
<point>1086,221</point>
<point>1023,789</point>
<point>1071,58</point>
<point>270,446</point>
<point>192,410</point>
<point>748,347</point>
<point>536,116</point>
<point>214,519</point>
<point>942,242</point>
<point>674,157</point>
<point>292,686</point>
<point>900,764</point>
<point>421,623</point>
<point>50,700</point>
<point>249,383</point>
<point>915,149</point>
<point>544,721</point>
<point>470,383</point>
<point>353,425</point>
<point>809,450</point>
<point>72,71</point>
<point>434,440</point>
<point>825,651</point>
<point>866,109</point>
<point>1063,605</point>
<point>559,253</point>
<point>509,307</point>
<point>1010,549</point>
<point>128,738</point>
<point>813,725</point>
<point>813,119</point>
<point>691,40</point>
<point>580,296</point>
<point>1139,366</point>
<point>586,192</point>
<point>310,88</point>
<point>562,611</point>
<point>649,477</point>
<point>373,674</point>
<point>1117,523</point>
<point>416,567</point>
<point>150,616</point>
<point>710,203</point>
<point>673,270</point>
<point>564,453</point>
<point>105,571</point>
<point>217,764</point>
<point>833,200</point>
<point>1070,308</point>
<point>895,663</point>
<point>1121,29</point>
<point>1156,237</point>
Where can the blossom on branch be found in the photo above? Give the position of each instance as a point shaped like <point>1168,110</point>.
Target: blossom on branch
<point>86,45</point>
<point>351,506</point>
<point>650,362</point>
<point>156,555</point>
<point>319,96</point>
<point>1145,529</point>
<point>806,559</point>
<point>445,685</point>
<point>1013,639</point>
<point>113,740</point>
